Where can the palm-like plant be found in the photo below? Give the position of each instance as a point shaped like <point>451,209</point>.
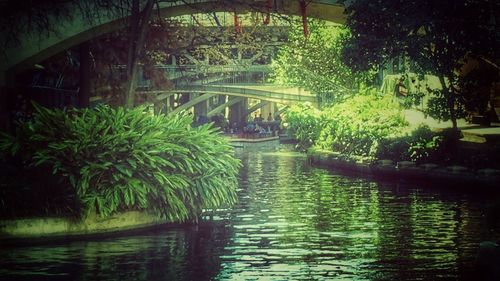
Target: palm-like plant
<point>115,160</point>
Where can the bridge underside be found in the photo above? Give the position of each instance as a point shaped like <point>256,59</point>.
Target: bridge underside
<point>239,101</point>
<point>36,48</point>
<point>201,96</point>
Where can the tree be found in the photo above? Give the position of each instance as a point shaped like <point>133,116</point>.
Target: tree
<point>199,39</point>
<point>139,23</point>
<point>314,62</point>
<point>132,46</point>
<point>42,18</point>
<point>435,34</point>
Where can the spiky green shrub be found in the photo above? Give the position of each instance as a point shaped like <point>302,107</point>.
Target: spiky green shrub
<point>304,124</point>
<point>114,160</point>
<point>356,126</point>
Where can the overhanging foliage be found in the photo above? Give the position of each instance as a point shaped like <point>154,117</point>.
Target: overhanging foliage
<point>436,35</point>
<point>314,62</point>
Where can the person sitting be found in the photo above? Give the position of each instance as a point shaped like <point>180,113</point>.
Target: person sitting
<point>269,117</point>
<point>278,118</point>
<point>256,130</point>
<point>250,127</point>
<point>400,89</point>
<point>262,132</point>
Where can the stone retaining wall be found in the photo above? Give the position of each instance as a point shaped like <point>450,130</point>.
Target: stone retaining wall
<point>60,228</point>
<point>428,172</point>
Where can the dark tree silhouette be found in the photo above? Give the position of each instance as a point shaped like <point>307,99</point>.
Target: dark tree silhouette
<point>435,34</point>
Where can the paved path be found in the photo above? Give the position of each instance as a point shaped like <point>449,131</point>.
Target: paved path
<point>472,132</point>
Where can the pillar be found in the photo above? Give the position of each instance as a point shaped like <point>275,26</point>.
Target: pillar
<point>268,108</point>
<point>84,80</point>
<point>183,98</point>
<point>170,103</point>
<point>237,111</point>
<point>200,108</point>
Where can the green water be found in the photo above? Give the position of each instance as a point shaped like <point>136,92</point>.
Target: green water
<point>293,222</point>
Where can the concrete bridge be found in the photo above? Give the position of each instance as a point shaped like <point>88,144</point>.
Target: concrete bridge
<point>266,94</point>
<point>220,87</point>
<point>206,99</point>
<point>278,94</point>
<point>37,47</point>
<point>187,74</point>
<point>213,99</point>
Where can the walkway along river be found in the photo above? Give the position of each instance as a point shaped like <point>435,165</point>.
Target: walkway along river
<point>293,222</point>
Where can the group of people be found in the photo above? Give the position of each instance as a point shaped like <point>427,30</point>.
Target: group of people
<point>254,129</point>
<point>270,118</point>
<point>262,128</point>
<point>258,127</point>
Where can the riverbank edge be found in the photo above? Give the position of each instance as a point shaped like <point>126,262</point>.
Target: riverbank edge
<point>47,229</point>
<point>406,170</point>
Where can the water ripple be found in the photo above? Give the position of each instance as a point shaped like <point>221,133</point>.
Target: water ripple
<point>292,222</point>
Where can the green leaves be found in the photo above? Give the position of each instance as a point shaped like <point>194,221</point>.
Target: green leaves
<point>356,126</point>
<point>304,124</point>
<point>419,145</point>
<point>437,37</point>
<point>314,63</point>
<point>353,127</point>
<point>115,160</point>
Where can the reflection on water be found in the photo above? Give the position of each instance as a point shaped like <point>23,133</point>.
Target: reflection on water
<point>293,222</point>
<point>188,253</point>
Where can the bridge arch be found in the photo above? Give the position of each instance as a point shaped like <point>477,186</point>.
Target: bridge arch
<point>268,95</point>
<point>265,95</point>
<point>34,49</point>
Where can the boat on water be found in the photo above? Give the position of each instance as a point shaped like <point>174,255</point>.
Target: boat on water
<point>253,141</point>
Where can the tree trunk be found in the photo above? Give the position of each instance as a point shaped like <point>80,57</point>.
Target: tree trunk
<point>139,23</point>
<point>450,100</point>
<point>84,91</point>
<point>5,110</point>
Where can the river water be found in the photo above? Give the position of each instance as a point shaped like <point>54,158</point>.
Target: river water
<point>292,222</point>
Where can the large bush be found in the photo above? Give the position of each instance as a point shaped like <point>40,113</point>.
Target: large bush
<point>357,125</point>
<point>419,145</point>
<point>304,124</point>
<point>107,160</point>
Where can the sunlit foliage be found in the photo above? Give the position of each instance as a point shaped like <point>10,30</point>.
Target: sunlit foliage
<point>304,124</point>
<point>356,126</point>
<point>353,127</point>
<point>419,145</point>
<point>314,62</point>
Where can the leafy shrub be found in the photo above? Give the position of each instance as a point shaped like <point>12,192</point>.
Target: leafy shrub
<point>304,124</point>
<point>111,160</point>
<point>424,145</point>
<point>419,145</point>
<point>315,62</point>
<point>438,106</point>
<point>394,148</point>
<point>357,125</point>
